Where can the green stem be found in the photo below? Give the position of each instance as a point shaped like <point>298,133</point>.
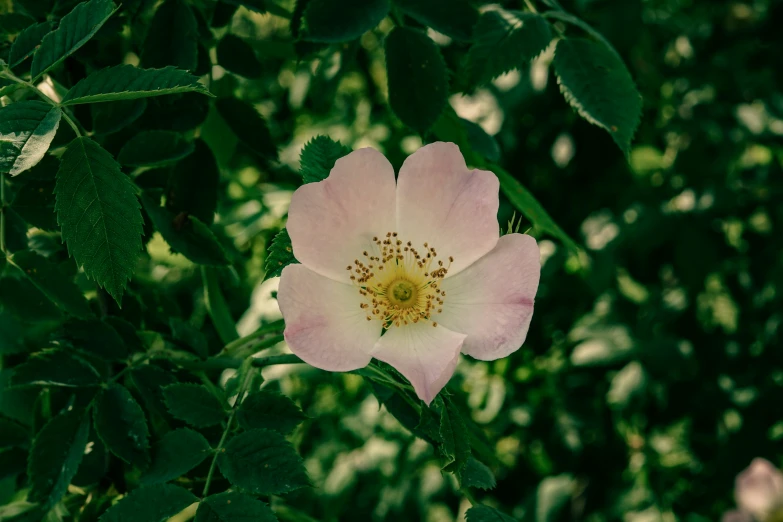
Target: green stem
<point>11,76</point>
<point>222,441</point>
<point>272,327</point>
<point>531,7</point>
<point>2,213</point>
<point>469,496</point>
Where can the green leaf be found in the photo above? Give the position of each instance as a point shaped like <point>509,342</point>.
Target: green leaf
<point>236,56</point>
<point>418,79</point>
<point>194,404</point>
<point>505,40</point>
<point>27,42</point>
<point>259,6</point>
<point>25,301</point>
<point>481,142</point>
<point>172,37</point>
<point>186,234</point>
<point>120,423</point>
<point>217,307</point>
<point>34,202</point>
<point>150,381</point>
<point>175,454</point>
<point>318,158</point>
<point>455,438</point>
<point>281,254</point>
<point>233,506</point>
<point>99,215</point>
<point>342,20</point>
<point>97,338</point>
<point>262,462</point>
<point>27,128</point>
<point>483,513</point>
<point>75,29</point>
<point>126,82</point>
<point>596,83</point>
<point>113,116</point>
<point>51,280</point>
<point>154,148</point>
<point>55,456</point>
<point>188,335</point>
<point>150,504</point>
<point>477,475</point>
<point>248,125</point>
<point>224,12</point>
<point>454,18</point>
<point>12,434</point>
<point>263,409</point>
<point>193,185</point>
<point>524,201</point>
<point>55,368</point>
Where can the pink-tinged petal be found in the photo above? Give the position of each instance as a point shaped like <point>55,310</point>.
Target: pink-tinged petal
<point>333,221</point>
<point>441,202</point>
<point>492,300</point>
<point>324,324</point>
<point>759,489</point>
<point>737,516</point>
<point>425,355</point>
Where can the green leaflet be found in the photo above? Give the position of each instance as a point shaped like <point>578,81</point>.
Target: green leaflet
<point>342,20</point>
<point>194,404</point>
<point>418,79</point>
<point>75,29</point>
<point>262,462</point>
<point>99,215</point>
<point>318,158</point>
<point>186,234</point>
<point>154,148</point>
<point>248,125</point>
<point>26,43</point>
<point>505,40</point>
<point>55,368</point>
<point>126,82</point>
<point>481,513</point>
<point>27,128</point>
<point>454,18</point>
<point>596,83</point>
<point>55,456</point>
<point>263,409</point>
<point>237,56</point>
<point>280,255</point>
<point>49,279</point>
<point>175,454</point>
<point>155,503</point>
<point>172,37</point>
<point>233,506</point>
<point>121,425</point>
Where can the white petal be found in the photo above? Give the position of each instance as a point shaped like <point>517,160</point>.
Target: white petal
<point>333,221</point>
<point>324,324</point>
<point>759,489</point>
<point>425,355</point>
<point>441,202</point>
<point>492,300</point>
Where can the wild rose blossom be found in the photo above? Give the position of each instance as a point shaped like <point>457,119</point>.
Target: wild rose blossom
<point>411,273</point>
<point>758,492</point>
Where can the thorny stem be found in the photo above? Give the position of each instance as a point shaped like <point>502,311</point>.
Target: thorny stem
<point>229,422</point>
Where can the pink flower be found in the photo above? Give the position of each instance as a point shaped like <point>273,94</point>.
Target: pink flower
<point>759,492</point>
<point>411,273</point>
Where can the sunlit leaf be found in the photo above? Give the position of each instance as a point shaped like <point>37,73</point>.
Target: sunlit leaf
<point>27,128</point>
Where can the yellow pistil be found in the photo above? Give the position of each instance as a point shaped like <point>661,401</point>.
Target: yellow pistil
<point>399,283</point>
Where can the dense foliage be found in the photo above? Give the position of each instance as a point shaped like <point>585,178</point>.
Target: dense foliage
<point>148,151</point>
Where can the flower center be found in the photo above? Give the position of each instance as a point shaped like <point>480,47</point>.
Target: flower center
<point>399,283</point>
<point>402,293</point>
